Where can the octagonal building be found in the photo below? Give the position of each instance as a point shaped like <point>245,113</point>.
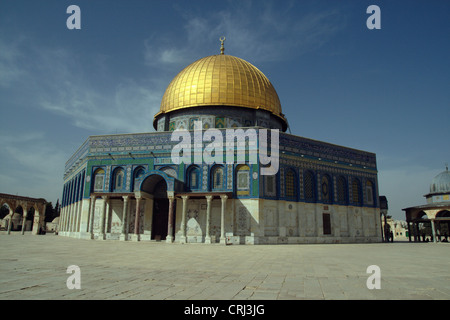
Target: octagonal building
<point>129,186</point>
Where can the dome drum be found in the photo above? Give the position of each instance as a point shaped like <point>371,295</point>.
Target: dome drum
<point>218,117</point>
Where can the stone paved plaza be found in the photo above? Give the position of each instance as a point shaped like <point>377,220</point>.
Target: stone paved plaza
<point>34,267</point>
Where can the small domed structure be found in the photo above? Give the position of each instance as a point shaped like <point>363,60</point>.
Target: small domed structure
<point>440,188</point>
<point>441,183</point>
<point>435,213</point>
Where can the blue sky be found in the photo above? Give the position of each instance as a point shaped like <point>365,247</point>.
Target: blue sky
<point>385,91</point>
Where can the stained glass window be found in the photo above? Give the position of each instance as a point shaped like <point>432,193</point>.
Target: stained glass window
<point>217,177</point>
<point>118,179</point>
<point>342,190</point>
<point>356,191</point>
<point>99,178</point>
<point>194,177</point>
<point>290,184</point>
<point>243,177</point>
<point>309,186</point>
<point>326,189</point>
<point>369,193</point>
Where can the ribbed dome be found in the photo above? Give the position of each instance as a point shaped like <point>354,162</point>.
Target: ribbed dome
<point>221,80</point>
<point>441,183</point>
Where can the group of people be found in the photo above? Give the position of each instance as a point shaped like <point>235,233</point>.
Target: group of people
<point>439,239</point>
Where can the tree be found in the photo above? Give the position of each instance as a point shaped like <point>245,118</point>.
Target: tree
<point>49,212</point>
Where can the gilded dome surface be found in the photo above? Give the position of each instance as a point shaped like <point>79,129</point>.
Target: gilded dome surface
<point>221,80</point>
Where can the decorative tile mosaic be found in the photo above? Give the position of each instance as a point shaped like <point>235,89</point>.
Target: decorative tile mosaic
<point>220,122</point>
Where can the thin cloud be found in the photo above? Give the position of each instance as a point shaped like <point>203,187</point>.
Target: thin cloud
<point>56,82</point>
<point>256,36</point>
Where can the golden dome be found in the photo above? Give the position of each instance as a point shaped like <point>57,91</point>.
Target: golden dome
<point>221,80</point>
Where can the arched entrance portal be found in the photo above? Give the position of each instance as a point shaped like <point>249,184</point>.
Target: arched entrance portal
<point>160,212</point>
<point>163,207</point>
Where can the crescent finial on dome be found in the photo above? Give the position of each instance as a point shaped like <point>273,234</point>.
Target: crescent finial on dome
<point>222,40</point>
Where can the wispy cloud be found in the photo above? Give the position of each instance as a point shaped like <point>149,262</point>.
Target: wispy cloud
<point>259,31</point>
<point>57,82</point>
<point>10,53</point>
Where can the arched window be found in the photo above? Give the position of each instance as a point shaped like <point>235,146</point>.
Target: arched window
<point>119,176</point>
<point>99,179</point>
<point>309,186</point>
<point>325,188</point>
<point>137,178</point>
<point>193,178</point>
<point>342,193</point>
<point>369,193</point>
<point>290,185</point>
<point>217,180</point>
<point>243,179</point>
<point>356,191</point>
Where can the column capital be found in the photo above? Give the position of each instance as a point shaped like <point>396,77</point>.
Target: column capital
<point>209,198</point>
<point>223,197</point>
<point>105,197</point>
<point>126,198</point>
<point>185,197</point>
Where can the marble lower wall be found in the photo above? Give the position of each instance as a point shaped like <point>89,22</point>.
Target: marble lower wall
<point>247,221</point>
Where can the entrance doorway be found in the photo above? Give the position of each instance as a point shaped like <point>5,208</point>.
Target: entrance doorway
<point>157,186</point>
<point>160,218</point>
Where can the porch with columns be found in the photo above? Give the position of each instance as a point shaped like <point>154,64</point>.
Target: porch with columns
<point>437,215</point>
<point>101,231</point>
<point>209,198</point>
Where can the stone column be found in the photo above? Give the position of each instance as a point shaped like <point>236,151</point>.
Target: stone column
<point>433,229</point>
<point>108,217</point>
<point>208,218</point>
<point>102,218</point>
<point>91,222</point>
<point>123,235</point>
<point>11,213</point>
<point>69,211</point>
<point>137,219</point>
<point>183,219</point>
<point>25,211</point>
<point>409,230</point>
<point>222,219</point>
<point>169,238</point>
<point>74,217</point>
